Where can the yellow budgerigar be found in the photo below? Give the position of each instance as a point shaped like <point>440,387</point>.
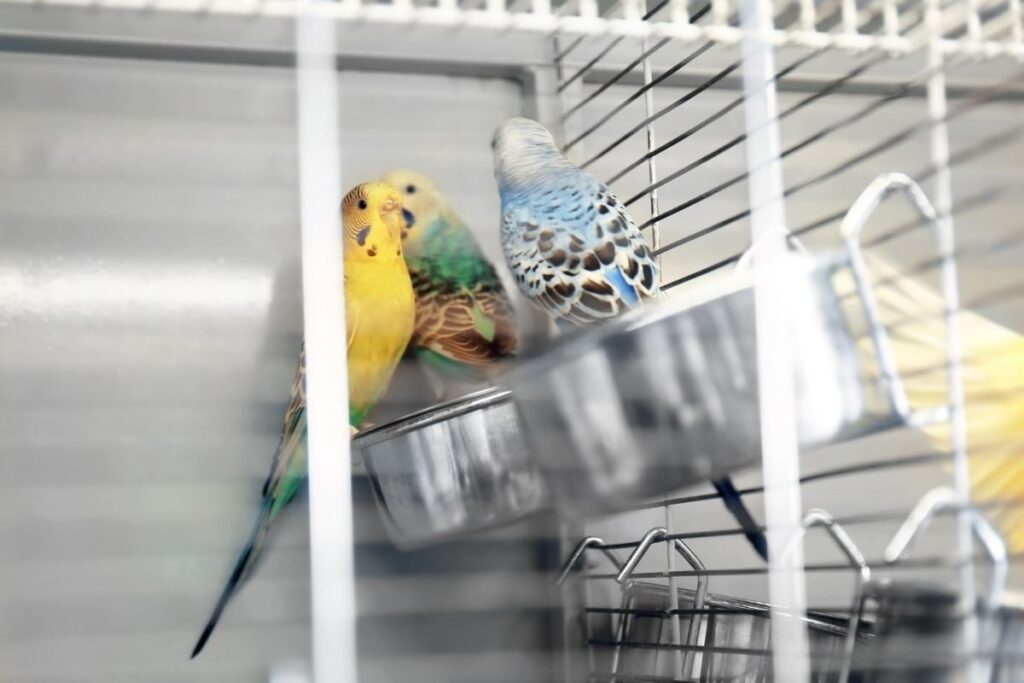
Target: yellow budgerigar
<point>380,306</point>
<point>379,310</point>
<point>993,378</point>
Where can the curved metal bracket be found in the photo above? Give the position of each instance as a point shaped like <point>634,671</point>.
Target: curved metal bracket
<point>939,500</point>
<point>657,534</point>
<point>577,553</point>
<point>851,229</point>
<point>699,595</point>
<point>816,518</point>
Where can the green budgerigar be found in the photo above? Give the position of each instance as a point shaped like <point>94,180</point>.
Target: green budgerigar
<point>465,322</point>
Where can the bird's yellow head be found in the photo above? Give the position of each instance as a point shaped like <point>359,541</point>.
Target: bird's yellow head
<point>372,218</point>
<point>422,203</point>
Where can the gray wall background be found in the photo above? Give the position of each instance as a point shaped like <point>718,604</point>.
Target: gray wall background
<point>151,316</point>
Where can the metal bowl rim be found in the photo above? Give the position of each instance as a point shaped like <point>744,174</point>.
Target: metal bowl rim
<point>479,400</point>
<point>576,345</point>
<point>817,620</point>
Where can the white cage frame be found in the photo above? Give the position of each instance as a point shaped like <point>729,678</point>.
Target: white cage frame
<point>993,30</point>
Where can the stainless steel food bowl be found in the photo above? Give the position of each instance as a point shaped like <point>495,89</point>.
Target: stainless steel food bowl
<point>454,469</point>
<point>668,396</point>
<point>1008,666</point>
<point>919,629</point>
<point>734,642</point>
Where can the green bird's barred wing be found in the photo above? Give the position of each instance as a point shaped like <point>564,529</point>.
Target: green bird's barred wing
<point>463,313</point>
<point>472,326</point>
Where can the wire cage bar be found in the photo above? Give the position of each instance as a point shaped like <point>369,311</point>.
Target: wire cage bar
<point>330,456</point>
<point>776,359</point>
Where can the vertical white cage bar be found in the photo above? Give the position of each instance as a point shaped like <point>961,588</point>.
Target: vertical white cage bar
<point>1016,22</point>
<point>720,12</point>
<point>973,21</point>
<point>652,177</point>
<point>330,492</point>
<point>943,199</point>
<point>891,18</point>
<point>808,17</point>
<point>678,12</point>
<point>652,144</point>
<point>775,362</point>
<point>849,13</point>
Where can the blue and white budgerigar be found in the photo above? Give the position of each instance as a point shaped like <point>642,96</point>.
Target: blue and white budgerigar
<point>573,248</point>
<point>568,240</point>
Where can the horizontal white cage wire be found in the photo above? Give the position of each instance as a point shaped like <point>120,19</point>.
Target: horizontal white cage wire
<point>967,28</point>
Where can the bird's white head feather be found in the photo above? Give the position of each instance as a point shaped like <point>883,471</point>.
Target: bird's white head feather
<point>524,152</point>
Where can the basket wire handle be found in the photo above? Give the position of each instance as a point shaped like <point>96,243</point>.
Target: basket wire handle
<point>699,595</point>
<point>945,498</point>
<point>818,517</point>
<point>851,229</point>
<point>563,575</point>
<point>577,553</point>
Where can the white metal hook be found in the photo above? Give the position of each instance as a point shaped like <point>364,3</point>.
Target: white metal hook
<point>936,501</point>
<point>945,498</point>
<point>850,229</point>
<point>880,188</point>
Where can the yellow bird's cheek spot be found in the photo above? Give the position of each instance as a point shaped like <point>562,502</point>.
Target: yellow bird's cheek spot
<point>363,233</point>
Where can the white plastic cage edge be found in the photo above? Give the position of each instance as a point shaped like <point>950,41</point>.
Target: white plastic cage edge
<point>1000,35</point>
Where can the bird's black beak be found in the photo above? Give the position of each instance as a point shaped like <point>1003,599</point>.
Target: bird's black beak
<point>409,217</point>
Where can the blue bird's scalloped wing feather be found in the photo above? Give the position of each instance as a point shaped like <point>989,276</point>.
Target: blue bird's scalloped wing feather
<point>574,250</point>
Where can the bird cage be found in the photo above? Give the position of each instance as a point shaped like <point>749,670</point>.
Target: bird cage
<point>829,189</point>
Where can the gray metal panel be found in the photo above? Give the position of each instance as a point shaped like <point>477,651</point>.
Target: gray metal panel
<point>151,314</point>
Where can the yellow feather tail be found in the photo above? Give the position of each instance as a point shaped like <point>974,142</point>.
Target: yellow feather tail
<point>993,373</point>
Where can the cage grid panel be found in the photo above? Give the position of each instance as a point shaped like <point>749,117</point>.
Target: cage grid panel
<point>903,93</point>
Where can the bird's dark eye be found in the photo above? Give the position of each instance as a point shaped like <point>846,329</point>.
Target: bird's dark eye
<point>362,204</point>
<point>410,189</point>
